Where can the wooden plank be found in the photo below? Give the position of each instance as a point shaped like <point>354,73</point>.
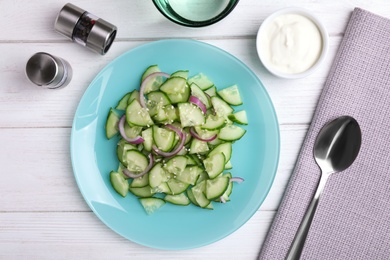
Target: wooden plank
<point>37,173</point>
<point>81,235</point>
<point>25,105</point>
<point>139,19</point>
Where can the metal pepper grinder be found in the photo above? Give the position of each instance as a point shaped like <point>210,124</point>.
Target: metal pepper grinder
<point>85,28</point>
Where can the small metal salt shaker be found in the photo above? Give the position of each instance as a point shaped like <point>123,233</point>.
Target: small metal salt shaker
<point>85,28</point>
<point>48,71</point>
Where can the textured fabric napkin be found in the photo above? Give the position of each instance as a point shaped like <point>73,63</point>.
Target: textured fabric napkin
<point>352,220</point>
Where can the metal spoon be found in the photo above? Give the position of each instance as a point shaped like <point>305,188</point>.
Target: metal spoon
<point>335,149</point>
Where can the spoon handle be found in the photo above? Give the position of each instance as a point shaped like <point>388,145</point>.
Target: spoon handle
<point>300,237</point>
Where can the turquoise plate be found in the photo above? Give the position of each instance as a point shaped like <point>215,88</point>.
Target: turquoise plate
<point>255,157</point>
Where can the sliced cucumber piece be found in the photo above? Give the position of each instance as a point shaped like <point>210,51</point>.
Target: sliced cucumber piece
<point>180,199</point>
<point>198,147</point>
<point>180,97</point>
<point>122,104</point>
<point>119,183</point>
<point>137,115</point>
<point>140,182</point>
<point>134,95</point>
<point>239,117</point>
<point>147,135</point>
<point>132,131</point>
<point>189,175</point>
<point>225,148</point>
<point>135,161</point>
<point>176,186</point>
<point>142,192</point>
<point>202,81</point>
<point>154,83</point>
<point>228,165</point>
<point>231,95</point>
<point>174,85</point>
<point>231,133</point>
<point>211,91</point>
<point>199,191</point>
<point>176,165</point>
<point>156,101</point>
<point>216,187</point>
<point>121,150</point>
<point>180,73</point>
<point>214,122</point>
<point>202,176</point>
<point>150,205</point>
<point>112,124</point>
<point>162,188</point>
<point>221,108</point>
<point>191,197</point>
<point>190,115</point>
<point>163,138</point>
<point>214,165</point>
<point>197,92</point>
<point>157,175</point>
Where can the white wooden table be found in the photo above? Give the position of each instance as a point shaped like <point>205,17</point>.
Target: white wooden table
<point>42,212</point>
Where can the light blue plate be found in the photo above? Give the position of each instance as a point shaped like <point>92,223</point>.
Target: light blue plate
<point>255,157</point>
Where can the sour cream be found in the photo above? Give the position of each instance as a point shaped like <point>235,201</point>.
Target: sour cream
<point>290,43</point>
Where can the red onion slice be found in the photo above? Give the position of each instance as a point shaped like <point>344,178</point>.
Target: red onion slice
<point>178,148</point>
<point>194,134</point>
<point>121,127</point>
<point>145,82</point>
<point>236,179</point>
<point>196,101</point>
<point>222,199</point>
<point>137,175</point>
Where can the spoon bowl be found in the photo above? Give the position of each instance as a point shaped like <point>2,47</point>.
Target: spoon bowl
<point>335,149</point>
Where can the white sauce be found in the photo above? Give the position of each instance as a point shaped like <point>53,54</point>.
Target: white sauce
<point>290,43</point>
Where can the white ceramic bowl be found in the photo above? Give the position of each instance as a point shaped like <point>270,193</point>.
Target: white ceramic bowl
<point>310,16</point>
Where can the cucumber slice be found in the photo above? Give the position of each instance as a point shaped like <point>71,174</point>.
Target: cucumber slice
<point>121,150</point>
<point>147,135</point>
<point>163,138</point>
<point>150,205</point>
<point>221,108</point>
<point>157,175</point>
<point>211,91</point>
<point>214,165</point>
<point>154,83</point>
<point>231,95</point>
<point>143,192</point>
<point>231,133</point>
<point>122,104</point>
<point>174,85</point>
<point>214,122</point>
<point>156,101</point>
<point>202,81</point>
<point>135,161</point>
<point>162,188</point>
<point>228,165</point>
<point>189,175</point>
<point>202,176</point>
<point>199,194</point>
<point>176,165</point>
<point>198,147</point>
<point>216,187</point>
<point>112,124</point>
<point>137,115</point>
<point>134,95</point>
<point>180,97</point>
<point>197,92</point>
<point>225,148</point>
<point>140,182</point>
<point>180,73</point>
<point>239,117</point>
<point>176,186</point>
<point>132,131</point>
<point>191,197</point>
<point>180,199</point>
<point>119,183</point>
<point>172,114</point>
<point>190,115</point>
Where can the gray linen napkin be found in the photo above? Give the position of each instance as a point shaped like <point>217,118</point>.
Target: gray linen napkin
<point>353,216</point>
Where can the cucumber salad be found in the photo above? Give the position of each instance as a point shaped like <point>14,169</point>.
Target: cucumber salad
<point>176,134</point>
